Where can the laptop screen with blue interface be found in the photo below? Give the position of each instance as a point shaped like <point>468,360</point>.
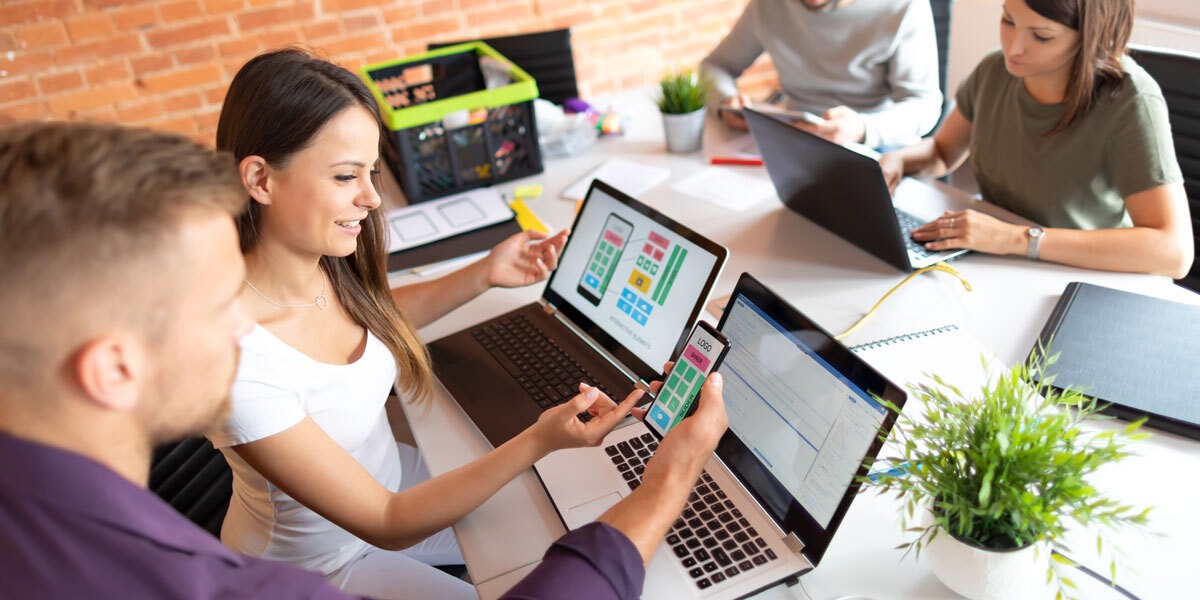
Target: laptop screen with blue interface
<point>803,420</point>
<point>635,274</point>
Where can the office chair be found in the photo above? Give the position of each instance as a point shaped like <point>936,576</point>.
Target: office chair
<point>195,480</point>
<point>545,55</point>
<point>941,28</point>
<point>1177,73</point>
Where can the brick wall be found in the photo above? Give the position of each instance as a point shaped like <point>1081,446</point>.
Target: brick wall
<point>167,64</point>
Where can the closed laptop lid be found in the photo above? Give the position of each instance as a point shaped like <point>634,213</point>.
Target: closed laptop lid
<point>804,422</point>
<point>633,279</point>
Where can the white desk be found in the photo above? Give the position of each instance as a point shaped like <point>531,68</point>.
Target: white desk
<point>834,283</point>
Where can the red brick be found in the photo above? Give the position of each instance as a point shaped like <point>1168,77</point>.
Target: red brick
<point>121,44</point>
<point>139,112</point>
<point>221,7</point>
<point>334,6</point>
<point>320,30</point>
<point>183,102</point>
<point>361,22</point>
<point>182,79</point>
<point>399,15</point>
<point>150,63</point>
<point>25,112</point>
<point>90,26</point>
<point>433,8</point>
<point>184,125</point>
<point>237,47</point>
<point>216,95</point>
<point>339,49</point>
<point>187,34</point>
<point>270,17</point>
<point>423,30</point>
<point>104,114</point>
<point>174,12</point>
<point>134,17</point>
<point>262,3</point>
<point>13,64</point>
<point>68,105</point>
<point>12,13</point>
<point>42,35</point>
<point>62,82</point>
<point>13,91</point>
<point>107,73</point>
<point>206,122</point>
<point>280,37</point>
<point>198,54</point>
<point>8,41</point>
<point>466,5</point>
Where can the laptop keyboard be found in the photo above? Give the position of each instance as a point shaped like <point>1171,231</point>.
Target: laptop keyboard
<point>547,372</point>
<point>711,538</point>
<point>907,224</point>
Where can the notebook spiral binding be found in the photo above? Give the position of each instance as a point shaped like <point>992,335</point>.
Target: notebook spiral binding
<point>896,339</point>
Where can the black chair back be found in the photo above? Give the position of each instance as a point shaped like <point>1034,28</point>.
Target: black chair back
<point>545,55</point>
<point>941,28</point>
<point>195,480</point>
<point>1177,74</point>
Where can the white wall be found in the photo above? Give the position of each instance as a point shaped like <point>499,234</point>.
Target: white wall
<point>975,31</point>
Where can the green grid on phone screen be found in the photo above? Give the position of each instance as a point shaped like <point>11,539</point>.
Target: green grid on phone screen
<point>602,258</point>
<point>683,385</point>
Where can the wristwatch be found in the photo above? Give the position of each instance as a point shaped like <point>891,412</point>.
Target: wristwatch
<point>1035,234</point>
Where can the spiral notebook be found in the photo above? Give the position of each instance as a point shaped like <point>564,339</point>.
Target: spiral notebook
<point>951,353</point>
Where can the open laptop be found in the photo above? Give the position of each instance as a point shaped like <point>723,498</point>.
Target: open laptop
<point>803,424</point>
<point>844,191</point>
<point>629,280</point>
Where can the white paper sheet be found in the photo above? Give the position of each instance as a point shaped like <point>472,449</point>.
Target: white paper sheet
<point>439,219</point>
<point>632,178</point>
<point>726,188</point>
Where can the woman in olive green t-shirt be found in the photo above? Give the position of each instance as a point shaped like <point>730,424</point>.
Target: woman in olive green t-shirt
<point>1081,146</point>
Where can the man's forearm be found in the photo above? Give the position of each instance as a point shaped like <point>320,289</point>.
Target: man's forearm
<point>646,514</point>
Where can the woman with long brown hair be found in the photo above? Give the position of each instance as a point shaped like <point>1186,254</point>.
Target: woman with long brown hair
<point>1062,127</point>
<point>319,480</point>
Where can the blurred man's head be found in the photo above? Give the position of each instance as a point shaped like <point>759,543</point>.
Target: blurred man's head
<point>119,273</point>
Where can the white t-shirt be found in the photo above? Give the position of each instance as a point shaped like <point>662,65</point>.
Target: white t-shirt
<point>276,387</point>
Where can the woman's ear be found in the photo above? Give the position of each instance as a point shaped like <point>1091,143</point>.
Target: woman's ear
<point>256,175</point>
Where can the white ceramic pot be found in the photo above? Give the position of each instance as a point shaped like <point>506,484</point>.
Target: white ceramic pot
<point>982,574</point>
<point>685,132</point>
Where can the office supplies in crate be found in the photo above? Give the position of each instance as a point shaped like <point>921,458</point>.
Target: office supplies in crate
<point>461,117</point>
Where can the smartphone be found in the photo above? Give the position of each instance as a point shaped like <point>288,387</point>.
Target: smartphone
<point>702,354</point>
<point>788,115</point>
<point>609,246</point>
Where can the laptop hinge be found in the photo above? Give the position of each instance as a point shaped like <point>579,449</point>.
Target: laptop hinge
<point>628,373</point>
<point>793,543</point>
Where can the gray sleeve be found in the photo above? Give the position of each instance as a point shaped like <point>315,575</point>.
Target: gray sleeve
<point>733,55</point>
<point>913,78</point>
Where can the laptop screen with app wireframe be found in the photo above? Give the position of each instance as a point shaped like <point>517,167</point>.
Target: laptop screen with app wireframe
<point>640,279</point>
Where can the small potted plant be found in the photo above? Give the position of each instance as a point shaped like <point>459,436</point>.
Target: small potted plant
<point>993,477</point>
<point>681,101</point>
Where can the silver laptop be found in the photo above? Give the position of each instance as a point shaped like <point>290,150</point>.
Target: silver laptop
<point>803,424</point>
<point>843,190</point>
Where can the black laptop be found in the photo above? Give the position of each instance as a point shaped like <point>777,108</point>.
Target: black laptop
<point>843,190</point>
<point>630,284</point>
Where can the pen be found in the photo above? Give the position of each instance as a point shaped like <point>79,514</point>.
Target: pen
<point>896,471</point>
<point>729,160</point>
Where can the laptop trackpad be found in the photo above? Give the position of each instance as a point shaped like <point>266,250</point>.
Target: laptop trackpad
<point>588,511</point>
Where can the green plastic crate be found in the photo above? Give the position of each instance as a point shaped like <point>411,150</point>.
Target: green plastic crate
<point>416,93</point>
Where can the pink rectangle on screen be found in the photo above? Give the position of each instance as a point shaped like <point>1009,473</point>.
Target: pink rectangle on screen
<point>613,238</point>
<point>696,357</point>
<point>659,240</point>
<point>648,249</point>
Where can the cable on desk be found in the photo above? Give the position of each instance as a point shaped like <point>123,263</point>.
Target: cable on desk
<point>943,267</point>
<point>1098,577</point>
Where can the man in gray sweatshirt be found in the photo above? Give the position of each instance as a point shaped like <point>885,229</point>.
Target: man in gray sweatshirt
<point>869,68</point>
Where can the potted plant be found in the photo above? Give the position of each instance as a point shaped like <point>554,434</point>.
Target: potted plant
<point>994,476</point>
<point>681,101</point>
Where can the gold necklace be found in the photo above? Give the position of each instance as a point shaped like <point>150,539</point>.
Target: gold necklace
<point>320,302</point>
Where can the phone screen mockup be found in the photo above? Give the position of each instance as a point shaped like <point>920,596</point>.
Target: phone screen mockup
<point>701,355</point>
<point>603,261</point>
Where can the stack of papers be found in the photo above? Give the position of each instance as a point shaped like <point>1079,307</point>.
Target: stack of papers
<point>428,222</point>
<point>630,177</point>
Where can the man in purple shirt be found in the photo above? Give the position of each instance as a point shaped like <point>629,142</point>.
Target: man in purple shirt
<point>119,328</point>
